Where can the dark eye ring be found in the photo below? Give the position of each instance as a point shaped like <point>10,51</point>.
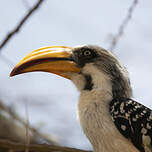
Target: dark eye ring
<point>87,52</point>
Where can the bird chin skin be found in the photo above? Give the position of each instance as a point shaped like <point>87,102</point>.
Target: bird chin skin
<point>78,79</point>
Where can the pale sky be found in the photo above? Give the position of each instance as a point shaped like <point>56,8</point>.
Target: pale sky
<point>53,100</point>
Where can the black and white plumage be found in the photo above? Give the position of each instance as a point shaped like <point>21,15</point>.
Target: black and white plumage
<point>111,120</point>
<point>134,121</point>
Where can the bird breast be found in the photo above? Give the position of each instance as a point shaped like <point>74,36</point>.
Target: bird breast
<point>95,119</point>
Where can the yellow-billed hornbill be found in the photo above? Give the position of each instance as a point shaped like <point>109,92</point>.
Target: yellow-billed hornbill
<point>111,120</point>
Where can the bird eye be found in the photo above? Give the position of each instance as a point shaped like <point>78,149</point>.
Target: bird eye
<point>86,53</point>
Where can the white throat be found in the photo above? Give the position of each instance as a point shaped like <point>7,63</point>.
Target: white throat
<point>102,88</point>
<point>99,79</point>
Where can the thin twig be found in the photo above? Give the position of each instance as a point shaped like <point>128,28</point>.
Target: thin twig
<point>21,23</point>
<point>123,25</point>
<point>16,147</point>
<point>27,128</point>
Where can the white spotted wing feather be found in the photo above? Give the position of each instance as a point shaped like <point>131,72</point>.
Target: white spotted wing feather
<point>134,121</point>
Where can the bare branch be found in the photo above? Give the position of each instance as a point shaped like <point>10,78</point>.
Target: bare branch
<point>21,23</point>
<point>123,25</point>
<point>33,130</point>
<point>27,128</point>
<point>15,147</point>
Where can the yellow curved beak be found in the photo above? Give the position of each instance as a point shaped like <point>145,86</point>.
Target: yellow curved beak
<point>54,59</point>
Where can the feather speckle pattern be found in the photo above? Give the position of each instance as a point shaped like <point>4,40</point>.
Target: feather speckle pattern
<point>134,121</point>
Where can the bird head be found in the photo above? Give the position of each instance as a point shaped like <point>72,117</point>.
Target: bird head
<point>88,66</point>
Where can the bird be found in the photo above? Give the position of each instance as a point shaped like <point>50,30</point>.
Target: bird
<point>109,117</point>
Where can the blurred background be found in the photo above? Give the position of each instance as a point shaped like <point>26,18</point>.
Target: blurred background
<point>52,100</point>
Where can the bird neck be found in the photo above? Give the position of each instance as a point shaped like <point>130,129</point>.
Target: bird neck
<point>97,89</point>
<point>94,79</point>
<point>93,110</point>
<point>121,87</point>
<point>115,83</point>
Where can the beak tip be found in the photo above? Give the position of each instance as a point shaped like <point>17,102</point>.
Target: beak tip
<point>11,75</point>
<point>13,72</point>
